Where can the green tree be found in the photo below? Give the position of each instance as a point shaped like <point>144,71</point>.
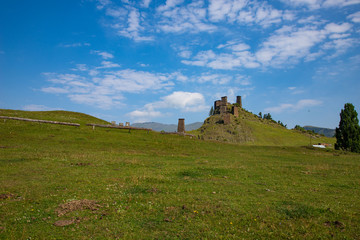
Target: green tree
<point>211,111</point>
<point>267,116</point>
<point>348,133</point>
<point>260,115</point>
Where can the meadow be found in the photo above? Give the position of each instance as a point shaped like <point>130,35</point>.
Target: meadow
<point>63,182</point>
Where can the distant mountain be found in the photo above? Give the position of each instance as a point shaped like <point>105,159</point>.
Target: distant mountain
<point>166,127</point>
<point>327,132</point>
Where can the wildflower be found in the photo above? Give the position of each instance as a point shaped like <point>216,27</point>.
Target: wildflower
<point>230,223</point>
<point>196,211</point>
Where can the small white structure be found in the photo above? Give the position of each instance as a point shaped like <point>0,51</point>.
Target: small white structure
<point>319,146</point>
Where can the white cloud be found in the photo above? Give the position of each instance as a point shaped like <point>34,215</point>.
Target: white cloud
<point>312,4</point>
<point>127,20</point>
<point>236,46</point>
<point>243,81</point>
<point>338,35</point>
<point>133,27</point>
<point>220,10</point>
<point>216,79</point>
<point>228,61</point>
<point>146,3</point>
<point>34,107</point>
<point>178,76</point>
<point>95,99</point>
<point>118,13</point>
<point>54,90</point>
<point>183,101</point>
<point>289,45</point>
<point>103,88</point>
<point>264,15</point>
<point>144,115</point>
<point>286,46</point>
<point>108,64</point>
<point>169,4</point>
<point>80,67</point>
<point>102,3</point>
<point>340,3</point>
<point>355,17</point>
<point>188,18</point>
<point>62,78</point>
<point>179,16</point>
<point>185,54</point>
<point>201,59</point>
<point>316,4</point>
<point>246,12</point>
<point>129,80</point>
<point>222,79</point>
<point>301,104</point>
<point>311,20</point>
<point>72,45</point>
<point>340,46</point>
<point>295,90</point>
<point>338,28</point>
<point>103,54</point>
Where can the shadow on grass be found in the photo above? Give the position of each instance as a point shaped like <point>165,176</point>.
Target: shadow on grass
<point>296,210</point>
<point>203,172</point>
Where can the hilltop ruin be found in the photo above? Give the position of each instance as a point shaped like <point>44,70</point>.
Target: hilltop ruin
<point>225,109</point>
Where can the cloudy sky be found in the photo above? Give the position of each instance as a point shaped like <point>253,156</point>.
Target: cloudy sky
<point>160,60</point>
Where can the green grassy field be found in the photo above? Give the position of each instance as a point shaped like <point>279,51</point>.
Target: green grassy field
<point>112,184</point>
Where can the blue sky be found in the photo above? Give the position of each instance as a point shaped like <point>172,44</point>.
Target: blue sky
<point>153,60</point>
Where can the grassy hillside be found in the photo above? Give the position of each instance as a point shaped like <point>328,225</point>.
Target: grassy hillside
<point>62,182</point>
<point>61,116</point>
<point>249,129</point>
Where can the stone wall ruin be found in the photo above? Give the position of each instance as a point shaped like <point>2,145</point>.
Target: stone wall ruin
<point>226,109</point>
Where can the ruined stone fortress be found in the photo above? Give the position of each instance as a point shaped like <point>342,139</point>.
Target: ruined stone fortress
<point>226,109</point>
<point>221,107</point>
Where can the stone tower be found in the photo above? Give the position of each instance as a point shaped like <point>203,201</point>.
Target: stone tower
<point>217,104</point>
<point>224,101</point>
<point>238,101</point>
<point>181,125</point>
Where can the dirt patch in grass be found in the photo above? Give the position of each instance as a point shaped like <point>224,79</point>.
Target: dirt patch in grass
<point>77,205</point>
<point>80,164</point>
<point>7,196</point>
<point>153,190</point>
<point>63,223</point>
<point>4,147</point>
<point>336,224</point>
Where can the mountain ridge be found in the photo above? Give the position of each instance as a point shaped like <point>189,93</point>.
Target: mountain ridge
<point>328,132</point>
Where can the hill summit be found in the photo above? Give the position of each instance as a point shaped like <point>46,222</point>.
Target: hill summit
<point>232,123</point>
